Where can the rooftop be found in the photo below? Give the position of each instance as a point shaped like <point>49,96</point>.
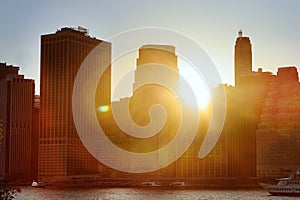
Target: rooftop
<point>169,48</point>
<point>78,29</point>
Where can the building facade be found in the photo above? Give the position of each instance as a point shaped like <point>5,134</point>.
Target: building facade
<point>155,62</point>
<point>16,106</point>
<point>61,153</point>
<point>244,107</point>
<point>278,134</point>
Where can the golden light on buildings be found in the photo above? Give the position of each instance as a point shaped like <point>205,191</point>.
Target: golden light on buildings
<point>200,90</point>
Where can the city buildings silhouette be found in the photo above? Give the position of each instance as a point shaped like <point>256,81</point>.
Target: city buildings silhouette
<point>260,137</point>
<point>235,153</point>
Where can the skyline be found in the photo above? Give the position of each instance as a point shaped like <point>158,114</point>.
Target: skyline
<point>77,129</point>
<point>246,101</point>
<point>272,28</point>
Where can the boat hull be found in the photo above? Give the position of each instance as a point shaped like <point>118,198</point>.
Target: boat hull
<point>281,191</point>
<point>284,194</point>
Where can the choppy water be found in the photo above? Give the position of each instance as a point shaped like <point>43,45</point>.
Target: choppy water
<point>28,193</point>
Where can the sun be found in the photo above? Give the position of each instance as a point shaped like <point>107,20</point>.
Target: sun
<point>197,83</point>
<point>123,78</point>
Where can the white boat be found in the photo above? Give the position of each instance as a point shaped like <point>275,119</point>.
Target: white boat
<point>150,184</point>
<point>179,184</point>
<point>38,184</point>
<point>285,186</point>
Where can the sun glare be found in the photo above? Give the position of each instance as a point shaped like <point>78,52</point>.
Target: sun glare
<point>196,82</point>
<point>125,64</point>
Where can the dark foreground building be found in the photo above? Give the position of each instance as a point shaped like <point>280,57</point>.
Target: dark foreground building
<point>61,153</point>
<point>16,104</point>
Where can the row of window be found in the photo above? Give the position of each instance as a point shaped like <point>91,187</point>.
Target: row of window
<point>286,189</point>
<point>59,39</point>
<point>294,183</point>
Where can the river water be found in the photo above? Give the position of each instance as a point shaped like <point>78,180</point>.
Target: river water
<point>28,193</point>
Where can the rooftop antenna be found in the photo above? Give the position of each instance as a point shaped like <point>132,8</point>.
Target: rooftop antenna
<point>83,30</point>
<point>241,33</point>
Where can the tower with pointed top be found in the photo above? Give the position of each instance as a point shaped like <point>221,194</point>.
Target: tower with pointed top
<point>242,58</point>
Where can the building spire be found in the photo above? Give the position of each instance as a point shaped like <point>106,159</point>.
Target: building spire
<point>242,58</point>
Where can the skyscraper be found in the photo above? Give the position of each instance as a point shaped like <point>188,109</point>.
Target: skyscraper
<point>61,153</point>
<point>242,58</point>
<point>157,63</point>
<point>16,105</point>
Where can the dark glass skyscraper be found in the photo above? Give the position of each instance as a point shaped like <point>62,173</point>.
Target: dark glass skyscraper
<point>61,153</point>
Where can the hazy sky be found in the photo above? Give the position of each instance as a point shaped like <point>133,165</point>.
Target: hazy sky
<point>272,25</point>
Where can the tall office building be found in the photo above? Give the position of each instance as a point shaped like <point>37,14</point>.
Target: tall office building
<point>278,134</point>
<point>160,56</point>
<point>16,105</point>
<point>61,153</point>
<point>242,58</point>
<point>159,63</point>
<point>155,62</point>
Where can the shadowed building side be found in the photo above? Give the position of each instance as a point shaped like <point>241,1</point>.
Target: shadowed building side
<point>61,152</point>
<point>235,153</point>
<point>278,134</point>
<point>16,105</point>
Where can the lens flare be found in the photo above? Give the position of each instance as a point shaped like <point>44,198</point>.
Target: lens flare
<point>103,108</point>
